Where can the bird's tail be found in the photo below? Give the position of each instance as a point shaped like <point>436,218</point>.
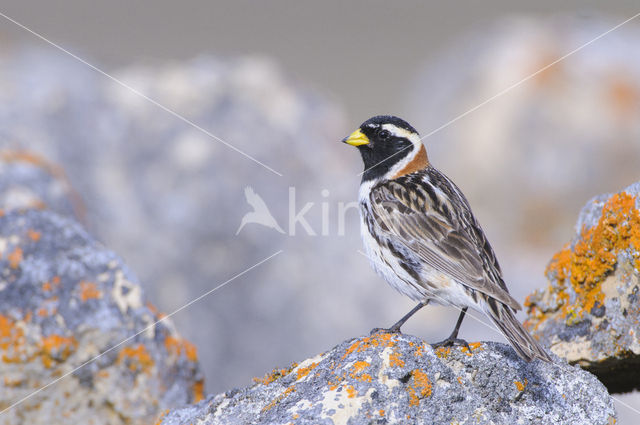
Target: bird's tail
<point>524,344</point>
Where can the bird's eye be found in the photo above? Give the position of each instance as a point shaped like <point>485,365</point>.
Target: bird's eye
<point>384,134</point>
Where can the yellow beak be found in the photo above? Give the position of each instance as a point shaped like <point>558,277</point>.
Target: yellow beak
<point>357,138</point>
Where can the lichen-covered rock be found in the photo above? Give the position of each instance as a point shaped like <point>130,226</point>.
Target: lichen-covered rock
<point>29,181</point>
<point>396,378</point>
<point>65,299</point>
<point>589,313</point>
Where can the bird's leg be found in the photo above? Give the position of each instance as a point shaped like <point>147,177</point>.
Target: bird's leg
<point>396,327</point>
<point>453,338</point>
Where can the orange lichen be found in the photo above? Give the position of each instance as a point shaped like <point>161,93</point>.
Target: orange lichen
<point>419,351</point>
<point>459,380</point>
<point>8,382</point>
<point>351,392</point>
<point>520,386</point>
<point>395,360</point>
<point>198,390</point>
<point>473,346</point>
<point>11,337</point>
<point>381,339</point>
<point>279,398</point>
<point>624,95</point>
<point>443,352</point>
<point>137,358</point>
<point>34,235</point>
<point>274,375</point>
<point>381,412</point>
<point>56,348</point>
<point>15,257</point>
<point>361,365</point>
<point>178,346</point>
<point>161,417</point>
<point>304,371</point>
<point>420,387</point>
<point>357,369</point>
<point>89,290</point>
<point>593,257</point>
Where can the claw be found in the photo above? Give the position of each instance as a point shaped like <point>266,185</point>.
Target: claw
<point>391,330</point>
<point>450,342</point>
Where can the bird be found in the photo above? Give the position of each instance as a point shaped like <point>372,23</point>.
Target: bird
<point>260,213</point>
<point>421,236</point>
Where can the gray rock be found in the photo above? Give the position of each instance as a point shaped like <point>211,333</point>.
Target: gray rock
<point>64,299</point>
<point>29,181</point>
<point>589,313</point>
<point>387,378</point>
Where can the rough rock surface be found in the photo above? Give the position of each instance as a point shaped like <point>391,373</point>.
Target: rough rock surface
<point>589,313</point>
<point>65,299</point>
<point>397,378</point>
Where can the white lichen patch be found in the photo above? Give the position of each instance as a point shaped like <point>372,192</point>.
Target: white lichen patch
<point>383,378</point>
<point>3,246</point>
<point>340,404</point>
<point>578,351</point>
<point>125,294</point>
<point>300,406</point>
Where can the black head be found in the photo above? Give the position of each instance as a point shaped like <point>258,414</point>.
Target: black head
<point>383,141</point>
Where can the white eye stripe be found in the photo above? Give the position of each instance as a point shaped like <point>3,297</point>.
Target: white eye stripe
<point>401,132</point>
<point>397,131</point>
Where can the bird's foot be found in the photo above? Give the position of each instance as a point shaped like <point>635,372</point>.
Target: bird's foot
<point>451,342</point>
<point>391,330</point>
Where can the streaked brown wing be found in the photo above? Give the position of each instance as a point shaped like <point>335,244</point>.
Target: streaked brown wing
<point>434,220</point>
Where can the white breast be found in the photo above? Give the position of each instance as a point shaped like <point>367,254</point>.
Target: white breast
<point>381,258</point>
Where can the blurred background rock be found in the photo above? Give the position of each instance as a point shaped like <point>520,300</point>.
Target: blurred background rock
<point>284,83</point>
